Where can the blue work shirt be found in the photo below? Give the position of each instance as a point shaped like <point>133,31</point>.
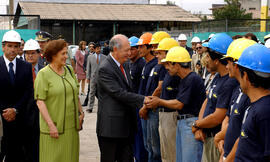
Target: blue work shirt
<point>145,75</point>
<point>254,142</point>
<point>219,96</point>
<point>191,92</point>
<point>170,88</point>
<point>136,73</point>
<point>236,114</point>
<point>157,74</point>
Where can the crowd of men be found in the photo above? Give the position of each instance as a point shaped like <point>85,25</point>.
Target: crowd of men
<point>206,103</point>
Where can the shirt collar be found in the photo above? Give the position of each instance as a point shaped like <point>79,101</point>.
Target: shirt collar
<point>117,63</point>
<point>18,56</point>
<point>7,62</point>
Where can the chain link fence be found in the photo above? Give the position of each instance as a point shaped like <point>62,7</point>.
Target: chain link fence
<point>243,25</point>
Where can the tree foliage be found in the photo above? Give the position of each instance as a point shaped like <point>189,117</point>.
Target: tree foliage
<point>232,10</point>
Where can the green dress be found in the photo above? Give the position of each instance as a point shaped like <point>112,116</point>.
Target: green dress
<point>60,94</point>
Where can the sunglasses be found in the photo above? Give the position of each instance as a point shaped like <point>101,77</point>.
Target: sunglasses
<point>199,48</point>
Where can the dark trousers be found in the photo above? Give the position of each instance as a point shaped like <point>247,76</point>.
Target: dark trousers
<point>115,149</point>
<point>31,144</point>
<point>12,149</point>
<point>87,96</point>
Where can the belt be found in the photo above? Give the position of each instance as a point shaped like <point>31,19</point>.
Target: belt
<point>162,109</point>
<point>185,116</point>
<point>209,134</point>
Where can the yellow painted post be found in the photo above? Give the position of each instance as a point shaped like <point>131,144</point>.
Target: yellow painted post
<point>264,14</point>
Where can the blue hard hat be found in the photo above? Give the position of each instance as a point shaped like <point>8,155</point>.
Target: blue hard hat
<point>133,41</point>
<point>256,57</point>
<point>219,43</point>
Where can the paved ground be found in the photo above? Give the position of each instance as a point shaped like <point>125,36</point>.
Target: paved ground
<point>89,150</point>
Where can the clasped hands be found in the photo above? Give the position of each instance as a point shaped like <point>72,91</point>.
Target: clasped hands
<point>150,102</point>
<point>9,114</point>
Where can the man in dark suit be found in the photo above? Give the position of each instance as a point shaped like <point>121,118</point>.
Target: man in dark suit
<point>116,118</point>
<point>31,142</point>
<point>16,84</point>
<point>182,39</point>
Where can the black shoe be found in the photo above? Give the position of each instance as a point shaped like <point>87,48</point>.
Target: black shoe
<point>89,110</point>
<point>84,104</point>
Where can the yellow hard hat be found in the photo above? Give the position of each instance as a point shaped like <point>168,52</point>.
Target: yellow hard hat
<point>166,44</point>
<point>237,47</point>
<point>158,36</point>
<point>177,54</point>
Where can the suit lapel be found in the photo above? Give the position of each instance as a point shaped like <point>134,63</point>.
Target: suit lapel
<point>117,69</point>
<point>4,69</point>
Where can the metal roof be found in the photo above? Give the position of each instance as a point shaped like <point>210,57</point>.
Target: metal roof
<point>107,12</point>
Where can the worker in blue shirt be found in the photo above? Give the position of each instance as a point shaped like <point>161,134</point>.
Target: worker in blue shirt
<point>231,125</point>
<point>153,88</point>
<point>189,98</point>
<point>254,143</point>
<point>145,51</point>
<point>136,65</point>
<point>214,108</point>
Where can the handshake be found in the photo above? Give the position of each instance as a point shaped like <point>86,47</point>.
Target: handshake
<point>150,102</point>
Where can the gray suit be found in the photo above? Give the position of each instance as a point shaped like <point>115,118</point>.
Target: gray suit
<point>116,117</point>
<point>91,72</point>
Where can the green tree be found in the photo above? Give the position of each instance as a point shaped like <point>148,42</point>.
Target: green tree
<point>232,10</point>
<point>170,3</point>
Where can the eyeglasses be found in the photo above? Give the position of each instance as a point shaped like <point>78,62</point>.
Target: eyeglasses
<point>199,48</point>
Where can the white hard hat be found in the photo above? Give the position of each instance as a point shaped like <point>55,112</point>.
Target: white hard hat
<point>267,43</point>
<point>182,37</point>
<point>267,36</point>
<point>11,36</point>
<point>31,45</point>
<point>211,35</point>
<point>195,40</point>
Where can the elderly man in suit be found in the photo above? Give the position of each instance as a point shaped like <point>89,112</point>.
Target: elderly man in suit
<point>31,142</point>
<point>93,62</point>
<point>116,118</point>
<point>16,84</point>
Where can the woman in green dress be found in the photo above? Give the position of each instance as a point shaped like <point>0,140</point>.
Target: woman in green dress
<point>61,115</point>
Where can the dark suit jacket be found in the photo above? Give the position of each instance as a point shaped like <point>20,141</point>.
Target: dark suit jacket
<point>190,51</point>
<point>32,112</point>
<point>117,103</point>
<point>15,96</point>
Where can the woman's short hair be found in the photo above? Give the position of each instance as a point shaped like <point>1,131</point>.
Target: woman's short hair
<point>81,44</point>
<point>53,47</point>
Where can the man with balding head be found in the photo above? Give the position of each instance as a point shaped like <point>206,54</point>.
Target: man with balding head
<point>116,118</point>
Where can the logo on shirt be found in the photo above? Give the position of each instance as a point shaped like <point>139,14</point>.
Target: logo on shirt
<point>243,134</point>
<point>236,111</point>
<point>155,73</point>
<point>143,77</point>
<point>214,95</point>
<point>169,88</point>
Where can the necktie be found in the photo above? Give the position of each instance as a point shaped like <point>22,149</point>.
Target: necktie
<point>34,74</point>
<point>97,59</point>
<point>122,70</point>
<point>11,73</point>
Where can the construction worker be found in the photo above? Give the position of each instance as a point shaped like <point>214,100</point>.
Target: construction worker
<point>158,77</point>
<point>136,66</point>
<point>254,67</point>
<point>153,88</point>
<point>43,38</point>
<point>145,51</point>
<point>231,125</point>
<point>189,98</point>
<point>214,108</point>
<point>194,42</point>
<point>182,40</point>
<point>31,50</point>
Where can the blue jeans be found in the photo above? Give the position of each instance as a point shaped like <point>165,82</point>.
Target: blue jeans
<point>140,152</point>
<point>187,148</point>
<point>153,141</point>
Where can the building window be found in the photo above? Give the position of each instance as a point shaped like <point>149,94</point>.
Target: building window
<point>252,8</point>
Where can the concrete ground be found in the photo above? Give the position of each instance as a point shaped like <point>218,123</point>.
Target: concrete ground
<point>89,150</point>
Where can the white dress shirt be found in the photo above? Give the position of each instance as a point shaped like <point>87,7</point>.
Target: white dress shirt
<point>7,63</point>
<point>118,64</point>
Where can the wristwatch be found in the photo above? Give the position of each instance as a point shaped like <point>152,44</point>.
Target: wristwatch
<point>194,125</point>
